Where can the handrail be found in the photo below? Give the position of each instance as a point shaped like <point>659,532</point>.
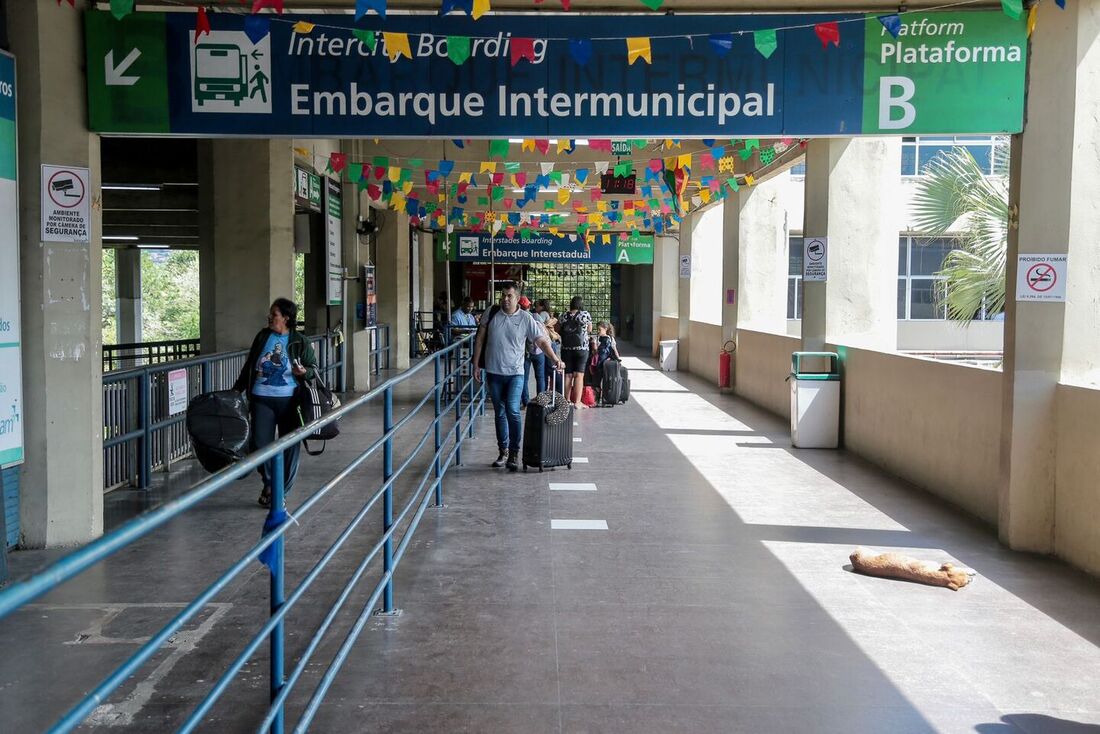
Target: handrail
<point>270,546</point>
<point>140,434</point>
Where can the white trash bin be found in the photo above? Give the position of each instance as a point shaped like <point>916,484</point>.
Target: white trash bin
<point>815,402</point>
<point>667,354</point>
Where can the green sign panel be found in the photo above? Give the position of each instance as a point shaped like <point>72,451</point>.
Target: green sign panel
<point>620,147</point>
<point>119,56</point>
<point>945,72</point>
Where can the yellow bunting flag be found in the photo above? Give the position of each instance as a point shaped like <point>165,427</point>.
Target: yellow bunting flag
<point>704,194</point>
<point>488,167</point>
<point>601,206</point>
<point>683,161</point>
<point>302,152</point>
<point>589,238</point>
<point>555,231</point>
<point>397,44</point>
<point>303,27</point>
<point>528,145</point>
<point>407,187</point>
<point>749,179</point>
<point>464,177</point>
<point>1032,19</point>
<point>670,144</point>
<point>397,202</point>
<point>481,7</point>
<point>638,48</point>
<point>606,239</point>
<point>563,196</point>
<point>564,144</point>
<point>395,173</point>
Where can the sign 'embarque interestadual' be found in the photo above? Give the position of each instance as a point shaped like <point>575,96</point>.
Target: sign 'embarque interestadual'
<point>547,247</point>
<point>945,72</point>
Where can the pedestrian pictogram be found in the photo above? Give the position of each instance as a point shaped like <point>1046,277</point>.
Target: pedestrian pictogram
<point>1041,278</point>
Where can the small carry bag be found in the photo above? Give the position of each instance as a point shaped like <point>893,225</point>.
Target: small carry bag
<point>548,430</point>
<point>315,401</point>
<point>219,427</point>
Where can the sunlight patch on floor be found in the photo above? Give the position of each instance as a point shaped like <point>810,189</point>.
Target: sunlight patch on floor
<point>685,411</point>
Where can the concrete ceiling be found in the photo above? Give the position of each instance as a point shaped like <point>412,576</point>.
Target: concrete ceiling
<point>595,6</point>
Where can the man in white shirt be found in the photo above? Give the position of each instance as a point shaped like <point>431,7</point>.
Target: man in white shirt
<point>502,341</point>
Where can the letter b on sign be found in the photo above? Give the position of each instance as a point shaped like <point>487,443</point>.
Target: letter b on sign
<point>894,92</point>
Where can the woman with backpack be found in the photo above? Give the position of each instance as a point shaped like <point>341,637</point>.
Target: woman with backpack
<point>575,328</point>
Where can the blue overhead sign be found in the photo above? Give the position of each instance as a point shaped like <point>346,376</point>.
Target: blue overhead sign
<point>547,247</point>
<point>150,73</point>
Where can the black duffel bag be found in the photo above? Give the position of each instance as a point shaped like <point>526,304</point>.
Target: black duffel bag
<point>219,427</point>
<point>315,401</point>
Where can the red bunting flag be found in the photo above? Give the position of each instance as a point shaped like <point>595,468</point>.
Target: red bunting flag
<point>521,179</point>
<point>523,48</point>
<point>542,145</point>
<point>337,162</point>
<point>828,33</point>
<point>373,192</point>
<point>508,203</point>
<point>72,3</point>
<point>600,145</point>
<point>498,179</point>
<point>509,231</point>
<point>565,5</point>
<point>202,23</point>
<point>258,5</point>
<point>656,164</point>
<point>380,172</point>
<point>462,186</point>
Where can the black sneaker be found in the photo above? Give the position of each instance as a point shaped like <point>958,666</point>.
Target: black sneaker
<point>500,460</point>
<point>511,463</point>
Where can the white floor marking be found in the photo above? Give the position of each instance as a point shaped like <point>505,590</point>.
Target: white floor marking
<point>578,524</point>
<point>572,486</point>
<point>576,439</point>
<point>580,459</point>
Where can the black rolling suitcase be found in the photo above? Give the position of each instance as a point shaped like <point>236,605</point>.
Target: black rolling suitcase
<point>611,382</point>
<point>548,431</point>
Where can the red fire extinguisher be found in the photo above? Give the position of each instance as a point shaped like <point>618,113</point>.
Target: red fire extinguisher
<point>725,361</point>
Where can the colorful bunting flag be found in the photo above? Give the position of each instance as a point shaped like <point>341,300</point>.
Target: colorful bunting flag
<point>581,51</point>
<point>1013,8</point>
<point>276,5</point>
<point>765,41</point>
<point>565,146</point>
<point>355,172</point>
<point>397,45</point>
<point>458,142</point>
<point>522,48</point>
<point>546,168</point>
<point>638,48</point>
<point>202,23</point>
<point>362,6</point>
<point>512,166</point>
<point>337,162</point>
<point>1032,19</point>
<point>653,4</point>
<point>450,5</point>
<point>367,38</point>
<point>542,146</point>
<point>498,148</point>
<point>445,168</point>
<point>722,43</point>
<point>458,49</point>
<point>480,8</point>
<point>891,23</point>
<point>302,26</point>
<point>256,27</point>
<point>121,8</point>
<point>488,167</point>
<point>828,33</point>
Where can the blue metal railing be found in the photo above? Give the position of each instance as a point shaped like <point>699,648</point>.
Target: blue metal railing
<point>270,548</point>
<point>141,433</point>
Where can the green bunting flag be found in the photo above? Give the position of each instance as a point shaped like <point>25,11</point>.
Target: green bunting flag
<point>498,193</point>
<point>498,148</point>
<point>555,177</point>
<point>765,42</point>
<point>653,4</point>
<point>483,201</point>
<point>458,49</point>
<point>1012,8</point>
<point>512,167</point>
<point>355,172</point>
<point>368,38</point>
<point>121,8</point>
<point>732,183</point>
<point>380,161</point>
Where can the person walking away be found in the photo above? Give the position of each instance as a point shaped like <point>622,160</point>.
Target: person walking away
<point>575,328</point>
<point>498,360</point>
<point>278,360</point>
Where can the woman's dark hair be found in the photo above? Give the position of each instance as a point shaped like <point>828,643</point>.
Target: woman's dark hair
<point>289,310</point>
<point>576,304</point>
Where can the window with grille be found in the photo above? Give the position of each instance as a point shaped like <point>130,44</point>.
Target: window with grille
<point>559,283</point>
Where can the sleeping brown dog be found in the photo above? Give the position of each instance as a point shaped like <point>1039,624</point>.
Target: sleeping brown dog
<point>897,566</point>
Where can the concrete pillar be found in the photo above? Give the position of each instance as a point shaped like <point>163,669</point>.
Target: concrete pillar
<point>128,298</point>
<point>666,286</point>
<point>353,289</point>
<point>250,258</point>
<point>426,272</point>
<point>644,304</point>
<point>62,479</point>
<point>754,259</point>
<point>853,198</point>
<point>1056,184</point>
<point>683,300</point>
<point>394,297</point>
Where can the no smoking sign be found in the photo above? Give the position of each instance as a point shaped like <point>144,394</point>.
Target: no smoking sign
<point>1041,278</point>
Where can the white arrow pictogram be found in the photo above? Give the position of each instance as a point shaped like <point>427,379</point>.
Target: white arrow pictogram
<point>114,74</point>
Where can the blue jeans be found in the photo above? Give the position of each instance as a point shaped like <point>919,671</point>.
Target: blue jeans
<point>538,363</point>
<point>505,392</point>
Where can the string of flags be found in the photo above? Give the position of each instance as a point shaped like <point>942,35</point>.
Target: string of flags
<point>494,195</point>
<point>397,44</point>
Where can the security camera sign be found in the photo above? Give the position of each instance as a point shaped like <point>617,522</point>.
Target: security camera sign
<point>66,214</point>
<point>1041,278</point>
<point>815,259</point>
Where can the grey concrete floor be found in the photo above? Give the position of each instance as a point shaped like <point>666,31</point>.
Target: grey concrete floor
<point>718,599</point>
